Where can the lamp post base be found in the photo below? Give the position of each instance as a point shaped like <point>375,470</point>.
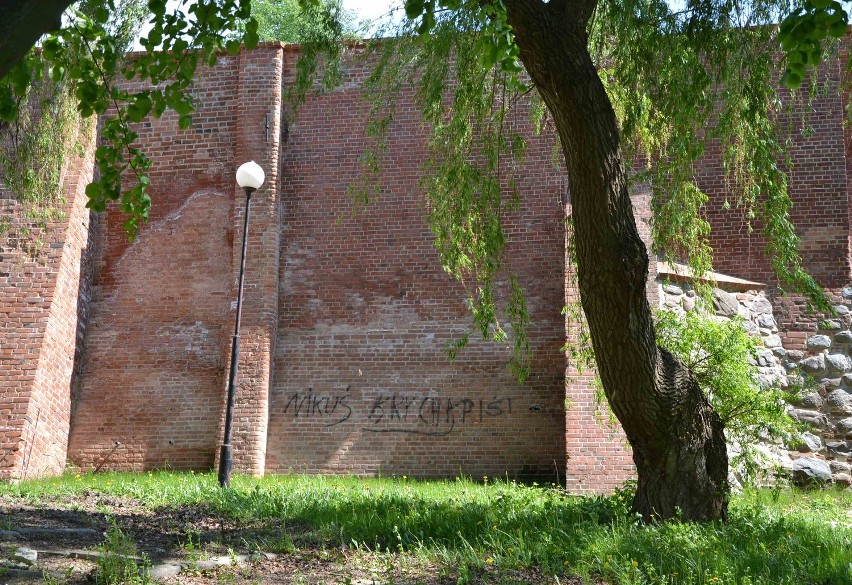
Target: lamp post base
<point>225,465</point>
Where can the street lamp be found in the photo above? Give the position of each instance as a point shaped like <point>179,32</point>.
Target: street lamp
<point>250,177</point>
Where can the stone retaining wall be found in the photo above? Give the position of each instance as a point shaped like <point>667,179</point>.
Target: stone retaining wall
<point>823,369</point>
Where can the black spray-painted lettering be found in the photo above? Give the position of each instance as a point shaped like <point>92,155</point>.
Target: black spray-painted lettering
<point>311,404</point>
<point>439,415</point>
<point>400,413</point>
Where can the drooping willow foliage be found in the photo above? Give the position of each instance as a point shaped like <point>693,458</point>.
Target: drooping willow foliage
<point>679,80</point>
<point>36,144</point>
<point>33,149</point>
<point>469,99</point>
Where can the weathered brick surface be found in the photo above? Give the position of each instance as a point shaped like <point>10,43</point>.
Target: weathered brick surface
<point>43,300</point>
<point>258,130</point>
<point>362,383</point>
<point>153,367</point>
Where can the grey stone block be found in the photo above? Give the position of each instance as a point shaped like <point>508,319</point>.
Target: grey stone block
<point>818,342</point>
<point>761,305</point>
<point>839,401</point>
<point>838,362</point>
<point>24,555</point>
<point>843,337</point>
<point>841,448</point>
<point>163,572</point>
<point>817,419</point>
<point>813,364</point>
<point>810,443</point>
<point>810,471</point>
<point>766,320</point>
<point>725,303</point>
<point>840,467</point>
<point>844,428</point>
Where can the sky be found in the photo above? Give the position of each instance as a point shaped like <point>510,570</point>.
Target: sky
<point>365,9</point>
<point>370,9</point>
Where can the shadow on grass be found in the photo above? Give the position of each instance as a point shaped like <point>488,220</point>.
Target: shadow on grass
<point>803,538</point>
<point>806,539</point>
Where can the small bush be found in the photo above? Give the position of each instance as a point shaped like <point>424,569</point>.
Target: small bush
<point>117,564</point>
<point>722,356</point>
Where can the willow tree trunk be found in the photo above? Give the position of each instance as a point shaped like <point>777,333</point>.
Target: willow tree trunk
<point>677,437</point>
<point>23,22</point>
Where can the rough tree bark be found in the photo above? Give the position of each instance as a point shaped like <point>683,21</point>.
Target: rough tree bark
<point>22,22</point>
<point>677,437</point>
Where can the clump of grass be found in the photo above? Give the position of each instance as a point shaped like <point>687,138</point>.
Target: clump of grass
<point>772,537</point>
<point>117,563</point>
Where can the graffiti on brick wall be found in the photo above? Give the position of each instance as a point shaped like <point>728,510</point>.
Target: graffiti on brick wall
<point>411,413</point>
<point>431,415</point>
<point>331,407</point>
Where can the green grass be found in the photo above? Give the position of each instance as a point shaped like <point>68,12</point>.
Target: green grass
<point>772,537</point>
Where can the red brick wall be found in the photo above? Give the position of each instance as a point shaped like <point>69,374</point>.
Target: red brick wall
<point>362,383</point>
<point>817,186</point>
<point>823,159</point>
<point>43,288</point>
<point>332,301</point>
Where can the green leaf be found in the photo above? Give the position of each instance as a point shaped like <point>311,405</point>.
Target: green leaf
<point>8,105</point>
<point>791,80</point>
<point>19,77</point>
<point>131,227</point>
<point>414,8</point>
<point>179,46</point>
<point>94,191</point>
<point>160,104</point>
<point>179,103</point>
<point>51,48</point>
<point>154,39</point>
<point>837,29</point>
<point>57,73</point>
<point>185,122</point>
<point>98,205</point>
<point>101,14</point>
<point>157,7</point>
<point>139,108</point>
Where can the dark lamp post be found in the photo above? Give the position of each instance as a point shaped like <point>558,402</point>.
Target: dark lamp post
<point>250,177</point>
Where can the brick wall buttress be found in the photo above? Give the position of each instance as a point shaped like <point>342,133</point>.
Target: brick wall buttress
<point>40,296</point>
<point>257,134</point>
